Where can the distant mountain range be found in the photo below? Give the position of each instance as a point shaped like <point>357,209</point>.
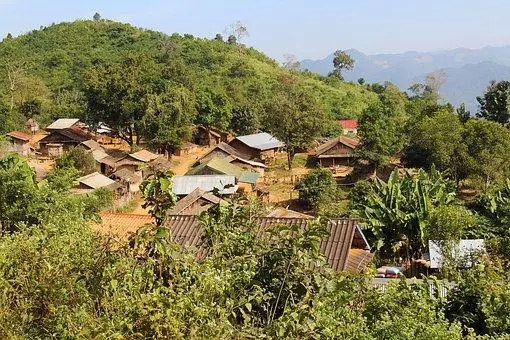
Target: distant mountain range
<point>468,71</point>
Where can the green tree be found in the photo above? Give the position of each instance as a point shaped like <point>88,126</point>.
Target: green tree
<point>169,117</point>
<point>382,128</point>
<point>244,120</point>
<point>314,184</point>
<point>463,114</point>
<point>295,117</point>
<point>117,94</point>
<point>488,150</point>
<point>341,61</point>
<point>214,108</point>
<point>78,158</point>
<point>437,140</point>
<point>494,105</point>
<point>18,190</point>
<point>397,213</point>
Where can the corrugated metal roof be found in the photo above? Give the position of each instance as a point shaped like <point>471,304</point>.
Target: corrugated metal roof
<point>19,135</point>
<point>144,156</point>
<point>184,203</point>
<point>349,142</point>
<point>348,123</point>
<point>121,224</point>
<point>249,177</point>
<point>96,180</point>
<point>261,141</point>
<point>62,123</point>
<point>335,247</point>
<point>92,145</point>
<point>99,155</point>
<point>183,185</point>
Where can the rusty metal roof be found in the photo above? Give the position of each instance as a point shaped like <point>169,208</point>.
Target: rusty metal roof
<point>336,247</point>
<point>144,156</point>
<point>349,142</point>
<point>19,135</point>
<point>92,145</point>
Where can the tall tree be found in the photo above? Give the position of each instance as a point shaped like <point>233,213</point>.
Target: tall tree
<point>463,114</point>
<point>435,80</point>
<point>494,105</point>
<point>488,150</point>
<point>382,128</point>
<point>437,140</point>
<point>117,94</point>
<point>341,61</point>
<point>213,107</point>
<point>295,117</point>
<point>244,120</point>
<point>169,119</point>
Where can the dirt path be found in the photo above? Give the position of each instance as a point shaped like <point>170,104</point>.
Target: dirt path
<point>181,164</point>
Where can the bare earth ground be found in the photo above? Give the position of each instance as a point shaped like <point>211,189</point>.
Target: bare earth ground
<point>181,164</point>
<point>281,182</point>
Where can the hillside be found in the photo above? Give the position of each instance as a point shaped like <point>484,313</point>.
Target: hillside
<point>468,71</point>
<point>42,72</point>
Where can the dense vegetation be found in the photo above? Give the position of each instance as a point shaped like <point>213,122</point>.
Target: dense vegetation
<point>146,84</point>
<point>60,279</point>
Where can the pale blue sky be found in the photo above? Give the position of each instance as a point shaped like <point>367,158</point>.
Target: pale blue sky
<point>307,29</point>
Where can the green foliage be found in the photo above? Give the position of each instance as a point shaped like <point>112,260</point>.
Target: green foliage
<point>341,61</point>
<point>481,300</point>
<point>381,128</point>
<point>494,105</point>
<point>158,194</point>
<point>488,150</point>
<point>313,184</point>
<point>437,140</point>
<point>398,212</point>
<point>18,191</point>
<point>105,71</point>
<point>244,120</point>
<point>77,158</point>
<point>295,117</point>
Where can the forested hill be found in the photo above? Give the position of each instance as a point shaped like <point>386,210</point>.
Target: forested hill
<point>53,72</point>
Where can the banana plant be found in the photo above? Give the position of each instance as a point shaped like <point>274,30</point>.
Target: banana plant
<point>397,212</point>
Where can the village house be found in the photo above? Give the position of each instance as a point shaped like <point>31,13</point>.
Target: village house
<point>233,156</point>
<point>19,142</point>
<point>195,203</point>
<point>349,126</point>
<point>64,134</point>
<point>186,149</point>
<point>184,185</point>
<point>345,248</point>
<point>210,135</point>
<point>129,178</point>
<point>218,166</point>
<point>134,161</point>
<point>260,146</point>
<point>336,152</point>
<point>93,181</point>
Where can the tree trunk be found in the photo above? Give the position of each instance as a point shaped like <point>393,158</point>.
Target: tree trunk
<point>290,156</point>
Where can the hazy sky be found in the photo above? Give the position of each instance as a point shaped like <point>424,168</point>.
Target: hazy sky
<point>307,29</point>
